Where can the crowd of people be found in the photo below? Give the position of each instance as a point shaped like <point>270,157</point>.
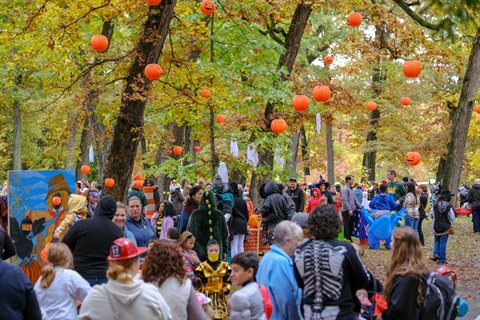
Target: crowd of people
<point>114,262</point>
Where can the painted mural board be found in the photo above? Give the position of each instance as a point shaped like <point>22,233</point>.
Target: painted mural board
<point>32,216</point>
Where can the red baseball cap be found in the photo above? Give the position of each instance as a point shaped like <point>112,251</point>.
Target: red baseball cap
<point>444,270</point>
<point>124,249</point>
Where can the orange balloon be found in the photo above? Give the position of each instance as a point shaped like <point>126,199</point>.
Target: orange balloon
<point>206,93</point>
<point>413,158</point>
<point>99,43</point>
<point>221,118</point>
<point>328,60</point>
<point>321,93</point>
<point>412,68</point>
<point>154,2</point>
<point>354,19</point>
<point>85,169</point>
<point>197,148</point>
<point>278,125</point>
<point>177,150</point>
<point>372,106</point>
<point>153,71</point>
<point>477,109</point>
<point>405,101</point>
<point>207,7</point>
<point>109,182</point>
<point>300,103</point>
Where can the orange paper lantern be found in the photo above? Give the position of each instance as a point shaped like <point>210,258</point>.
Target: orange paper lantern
<point>137,177</point>
<point>85,169</point>
<point>328,60</point>
<point>354,19</point>
<point>221,118</point>
<point>413,158</point>
<point>197,148</point>
<point>138,184</point>
<point>56,201</point>
<point>405,101</point>
<point>153,71</point>
<point>109,182</point>
<point>99,43</point>
<point>207,7</point>
<point>477,109</point>
<point>372,106</point>
<point>278,125</point>
<point>277,20</point>
<point>154,2</point>
<point>300,103</point>
<point>321,93</point>
<point>206,93</point>
<point>412,68</point>
<point>177,150</point>
<point>169,151</point>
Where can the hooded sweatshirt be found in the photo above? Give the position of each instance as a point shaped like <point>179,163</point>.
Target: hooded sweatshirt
<point>314,200</point>
<point>383,202</point>
<point>473,195</point>
<point>90,240</point>
<point>274,209</point>
<point>77,211</point>
<point>138,300</point>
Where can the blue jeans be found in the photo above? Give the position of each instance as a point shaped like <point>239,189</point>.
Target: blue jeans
<point>476,219</point>
<point>412,222</point>
<point>95,281</point>
<point>440,248</point>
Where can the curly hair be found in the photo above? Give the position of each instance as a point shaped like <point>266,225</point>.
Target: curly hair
<point>163,261</point>
<point>324,222</point>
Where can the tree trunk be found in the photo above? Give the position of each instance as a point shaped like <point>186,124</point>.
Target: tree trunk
<point>330,153</point>
<point>129,126</point>
<point>292,44</point>
<point>292,162</point>
<point>305,157</point>
<point>370,154</point>
<point>461,117</point>
<point>17,136</point>
<point>71,159</point>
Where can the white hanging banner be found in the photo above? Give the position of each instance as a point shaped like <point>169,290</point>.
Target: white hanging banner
<point>252,155</point>
<point>278,159</point>
<point>318,123</point>
<point>90,154</point>
<point>234,147</point>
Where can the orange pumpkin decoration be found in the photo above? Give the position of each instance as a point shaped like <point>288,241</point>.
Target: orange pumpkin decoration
<point>109,182</point>
<point>32,269</point>
<point>255,220</point>
<point>413,158</point>
<point>138,184</point>
<point>412,68</point>
<point>300,103</point>
<point>405,101</point>
<point>354,19</point>
<point>207,7</point>
<point>372,106</point>
<point>278,125</point>
<point>177,150</point>
<point>153,71</point>
<point>477,109</point>
<point>43,254</point>
<point>85,169</point>
<point>137,177</point>
<point>321,93</point>
<point>328,60</point>
<point>206,93</point>
<point>277,20</point>
<point>197,148</point>
<point>154,2</point>
<point>99,43</point>
<point>56,201</point>
<point>221,118</point>
<point>169,151</point>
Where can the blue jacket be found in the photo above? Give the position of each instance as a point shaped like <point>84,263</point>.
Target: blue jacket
<point>383,202</point>
<point>18,298</point>
<point>276,273</point>
<point>142,230</point>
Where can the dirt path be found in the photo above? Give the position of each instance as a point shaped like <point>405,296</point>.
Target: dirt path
<point>463,255</point>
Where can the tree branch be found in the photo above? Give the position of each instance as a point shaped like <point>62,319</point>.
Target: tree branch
<point>30,21</point>
<point>406,7</point>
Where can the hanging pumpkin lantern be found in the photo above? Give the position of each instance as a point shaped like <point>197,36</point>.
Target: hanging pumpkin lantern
<point>109,182</point>
<point>177,150</point>
<point>153,71</point>
<point>328,60</point>
<point>277,20</point>
<point>206,93</point>
<point>413,158</point>
<point>372,106</point>
<point>412,68</point>
<point>169,152</point>
<point>405,101</point>
<point>321,93</point>
<point>354,19</point>
<point>207,7</point>
<point>278,125</point>
<point>99,43</point>
<point>137,177</point>
<point>138,184</point>
<point>85,169</point>
<point>56,201</point>
<point>221,118</point>
<point>154,2</point>
<point>477,109</point>
<point>300,102</point>
<point>197,148</point>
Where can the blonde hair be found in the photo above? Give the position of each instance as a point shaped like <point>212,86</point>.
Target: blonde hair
<point>186,235</point>
<point>58,255</point>
<point>119,270</point>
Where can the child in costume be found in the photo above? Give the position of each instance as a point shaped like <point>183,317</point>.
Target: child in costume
<point>214,280</point>
<point>246,303</point>
<point>77,211</point>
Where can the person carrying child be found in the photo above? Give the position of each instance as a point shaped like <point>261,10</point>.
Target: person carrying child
<point>214,280</point>
<point>190,257</point>
<point>246,303</point>
<point>383,203</point>
<point>77,212</point>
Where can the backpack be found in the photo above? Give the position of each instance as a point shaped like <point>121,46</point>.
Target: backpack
<point>441,223</point>
<point>440,300</point>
